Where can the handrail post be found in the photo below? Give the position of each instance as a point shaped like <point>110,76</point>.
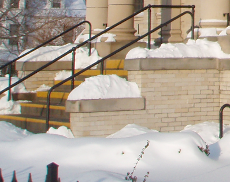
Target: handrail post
<point>73,68</point>
<point>89,43</point>
<point>10,75</point>
<point>102,68</point>
<point>149,27</point>
<point>48,110</point>
<point>193,17</point>
<point>221,119</point>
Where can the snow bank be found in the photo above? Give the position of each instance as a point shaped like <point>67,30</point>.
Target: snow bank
<point>200,48</point>
<point>62,130</point>
<point>4,82</point>
<point>103,87</point>
<point>105,159</point>
<point>209,131</point>
<point>130,130</point>
<point>50,53</point>
<point>9,132</point>
<point>10,107</point>
<point>106,37</point>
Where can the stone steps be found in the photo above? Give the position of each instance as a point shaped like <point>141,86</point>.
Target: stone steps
<point>33,115</point>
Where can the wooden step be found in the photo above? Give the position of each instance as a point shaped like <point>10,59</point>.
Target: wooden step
<point>33,124</point>
<point>76,82</point>
<point>106,72</point>
<point>55,97</point>
<point>114,64</point>
<point>37,109</point>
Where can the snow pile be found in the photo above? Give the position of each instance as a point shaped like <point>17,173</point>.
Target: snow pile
<point>209,131</point>
<point>43,87</point>
<point>103,87</point>
<point>200,48</point>
<point>4,82</point>
<point>9,132</point>
<point>224,32</point>
<point>109,159</point>
<point>131,130</point>
<point>10,107</point>
<point>61,75</point>
<point>50,53</point>
<point>106,37</point>
<point>62,130</point>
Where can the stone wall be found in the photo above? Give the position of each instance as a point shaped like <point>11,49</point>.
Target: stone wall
<point>177,92</point>
<point>46,76</point>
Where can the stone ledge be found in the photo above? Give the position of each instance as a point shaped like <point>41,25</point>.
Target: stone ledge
<point>176,64</point>
<point>105,105</point>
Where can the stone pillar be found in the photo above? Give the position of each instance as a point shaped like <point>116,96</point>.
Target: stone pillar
<point>96,13</point>
<point>212,13</point>
<point>172,32</point>
<point>118,10</point>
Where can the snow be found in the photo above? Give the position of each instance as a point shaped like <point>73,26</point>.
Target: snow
<point>200,48</point>
<point>109,159</point>
<point>108,36</point>
<point>173,157</point>
<point>49,53</point>
<point>10,107</point>
<point>103,87</point>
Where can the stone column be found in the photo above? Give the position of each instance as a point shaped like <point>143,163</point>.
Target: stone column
<point>212,13</point>
<point>96,13</point>
<point>118,10</point>
<point>172,32</point>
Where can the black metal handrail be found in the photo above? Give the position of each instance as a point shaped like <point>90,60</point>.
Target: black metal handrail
<point>99,34</point>
<point>103,59</point>
<point>10,63</point>
<point>102,32</point>
<point>221,119</point>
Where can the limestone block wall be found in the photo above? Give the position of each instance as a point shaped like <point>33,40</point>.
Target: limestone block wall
<point>225,94</point>
<point>40,78</point>
<point>177,98</point>
<point>46,76</point>
<point>177,92</point>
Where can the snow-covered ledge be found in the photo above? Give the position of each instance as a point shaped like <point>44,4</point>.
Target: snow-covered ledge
<point>105,105</point>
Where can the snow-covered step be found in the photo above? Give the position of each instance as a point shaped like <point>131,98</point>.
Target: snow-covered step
<point>33,124</point>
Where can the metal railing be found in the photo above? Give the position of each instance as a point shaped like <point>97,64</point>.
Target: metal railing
<point>111,54</point>
<point>221,119</point>
<point>10,63</point>
<point>103,59</point>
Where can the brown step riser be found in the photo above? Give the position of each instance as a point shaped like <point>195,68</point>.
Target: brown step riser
<point>54,113</point>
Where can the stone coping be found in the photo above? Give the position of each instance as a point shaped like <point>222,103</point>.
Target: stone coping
<point>33,65</point>
<point>105,105</point>
<point>176,64</point>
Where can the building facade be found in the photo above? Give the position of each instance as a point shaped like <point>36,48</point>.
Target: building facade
<point>27,23</point>
<point>208,14</point>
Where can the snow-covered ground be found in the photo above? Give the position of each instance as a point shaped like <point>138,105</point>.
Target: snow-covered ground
<point>171,157</point>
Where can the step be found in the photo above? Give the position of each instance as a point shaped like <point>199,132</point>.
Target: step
<point>106,72</point>
<point>114,64</point>
<point>33,124</point>
<point>66,87</point>
<point>55,97</point>
<point>37,109</point>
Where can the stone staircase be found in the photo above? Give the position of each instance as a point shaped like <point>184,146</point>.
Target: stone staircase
<point>33,112</point>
